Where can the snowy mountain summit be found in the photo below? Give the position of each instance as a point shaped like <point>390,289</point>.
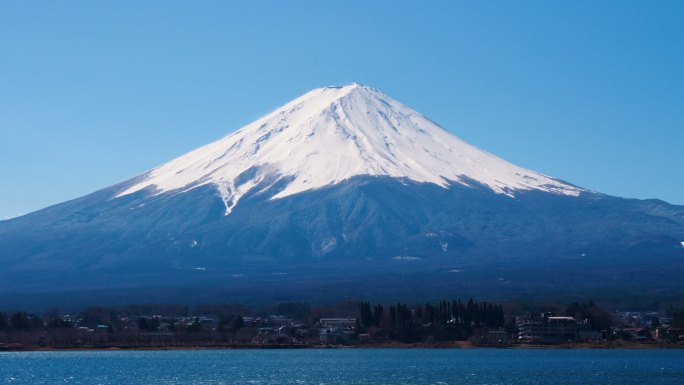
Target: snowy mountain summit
<point>330,135</point>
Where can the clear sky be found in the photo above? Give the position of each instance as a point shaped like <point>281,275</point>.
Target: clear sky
<point>95,92</point>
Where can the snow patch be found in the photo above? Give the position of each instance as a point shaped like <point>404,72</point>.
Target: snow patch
<point>406,258</point>
<point>682,243</point>
<point>328,245</point>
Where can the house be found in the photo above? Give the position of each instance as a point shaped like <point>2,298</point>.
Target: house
<point>638,334</point>
<point>550,330</point>
<point>589,336</point>
<point>334,336</point>
<point>668,333</point>
<point>343,323</point>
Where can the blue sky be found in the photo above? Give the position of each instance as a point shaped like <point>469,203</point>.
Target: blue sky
<point>95,92</point>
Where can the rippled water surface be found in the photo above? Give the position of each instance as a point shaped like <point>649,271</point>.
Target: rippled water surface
<point>346,366</point>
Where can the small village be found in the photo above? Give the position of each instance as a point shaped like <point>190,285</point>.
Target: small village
<point>445,324</point>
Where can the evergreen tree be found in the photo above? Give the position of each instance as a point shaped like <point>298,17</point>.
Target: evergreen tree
<point>19,320</point>
<point>239,323</point>
<point>678,319</point>
<point>143,324</point>
<point>366,315</point>
<point>377,314</point>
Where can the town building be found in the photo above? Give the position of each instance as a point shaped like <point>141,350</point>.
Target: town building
<point>549,330</point>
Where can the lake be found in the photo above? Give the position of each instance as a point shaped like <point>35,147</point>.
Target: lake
<point>346,366</point>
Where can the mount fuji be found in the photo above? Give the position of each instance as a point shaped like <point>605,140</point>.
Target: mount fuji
<point>341,193</point>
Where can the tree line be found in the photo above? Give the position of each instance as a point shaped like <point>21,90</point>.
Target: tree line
<point>446,320</point>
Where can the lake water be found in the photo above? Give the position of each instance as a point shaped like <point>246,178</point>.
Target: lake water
<point>346,366</point>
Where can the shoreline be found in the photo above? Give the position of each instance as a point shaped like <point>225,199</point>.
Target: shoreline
<point>383,345</point>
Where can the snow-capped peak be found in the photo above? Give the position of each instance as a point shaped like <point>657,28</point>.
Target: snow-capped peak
<point>331,134</point>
